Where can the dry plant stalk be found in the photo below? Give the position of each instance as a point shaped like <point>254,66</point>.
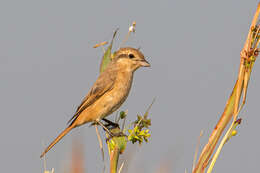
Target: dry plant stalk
<point>232,108</point>
<point>197,150</point>
<point>77,163</point>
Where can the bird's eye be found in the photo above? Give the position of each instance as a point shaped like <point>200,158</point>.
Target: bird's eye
<point>131,56</point>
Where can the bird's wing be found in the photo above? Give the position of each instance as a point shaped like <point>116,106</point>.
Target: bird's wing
<point>104,83</point>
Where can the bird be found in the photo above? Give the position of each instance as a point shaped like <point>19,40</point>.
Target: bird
<point>108,92</point>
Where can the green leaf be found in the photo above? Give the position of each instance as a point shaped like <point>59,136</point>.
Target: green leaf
<point>122,114</point>
<point>107,57</point>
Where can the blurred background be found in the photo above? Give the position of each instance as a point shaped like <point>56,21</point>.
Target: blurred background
<point>47,65</point>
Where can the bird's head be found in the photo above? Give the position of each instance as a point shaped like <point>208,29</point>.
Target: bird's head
<point>130,58</point>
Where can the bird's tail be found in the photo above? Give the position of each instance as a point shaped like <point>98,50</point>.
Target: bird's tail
<point>61,135</point>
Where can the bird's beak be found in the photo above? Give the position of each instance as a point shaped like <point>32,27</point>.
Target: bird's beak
<point>145,63</point>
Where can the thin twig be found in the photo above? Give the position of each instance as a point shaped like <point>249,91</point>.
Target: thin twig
<point>197,150</point>
<point>131,29</point>
<point>121,167</point>
<point>100,142</point>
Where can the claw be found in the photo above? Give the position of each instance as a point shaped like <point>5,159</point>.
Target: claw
<point>120,134</point>
<point>110,123</point>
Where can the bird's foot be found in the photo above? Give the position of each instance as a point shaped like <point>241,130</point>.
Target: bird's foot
<point>119,134</point>
<point>110,123</point>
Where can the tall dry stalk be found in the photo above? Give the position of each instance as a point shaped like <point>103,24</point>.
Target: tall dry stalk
<point>233,106</point>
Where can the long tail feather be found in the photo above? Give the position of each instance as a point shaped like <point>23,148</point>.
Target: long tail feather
<point>61,135</point>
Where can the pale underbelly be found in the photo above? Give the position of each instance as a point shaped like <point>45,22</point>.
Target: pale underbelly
<point>114,101</point>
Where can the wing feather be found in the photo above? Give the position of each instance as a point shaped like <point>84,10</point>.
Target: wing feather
<point>104,83</point>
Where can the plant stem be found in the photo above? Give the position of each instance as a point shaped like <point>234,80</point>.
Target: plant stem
<point>114,156</point>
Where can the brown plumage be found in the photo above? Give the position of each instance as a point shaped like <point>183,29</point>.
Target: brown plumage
<point>108,92</point>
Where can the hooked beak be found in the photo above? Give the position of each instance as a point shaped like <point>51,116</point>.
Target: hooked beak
<point>145,63</point>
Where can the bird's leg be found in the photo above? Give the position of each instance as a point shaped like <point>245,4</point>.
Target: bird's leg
<point>119,134</point>
<point>105,128</point>
<point>114,125</point>
<point>111,134</point>
<point>110,123</point>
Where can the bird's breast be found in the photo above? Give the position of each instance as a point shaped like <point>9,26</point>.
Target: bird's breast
<point>119,93</point>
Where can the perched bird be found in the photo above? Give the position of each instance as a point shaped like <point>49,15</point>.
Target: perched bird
<point>108,92</point>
